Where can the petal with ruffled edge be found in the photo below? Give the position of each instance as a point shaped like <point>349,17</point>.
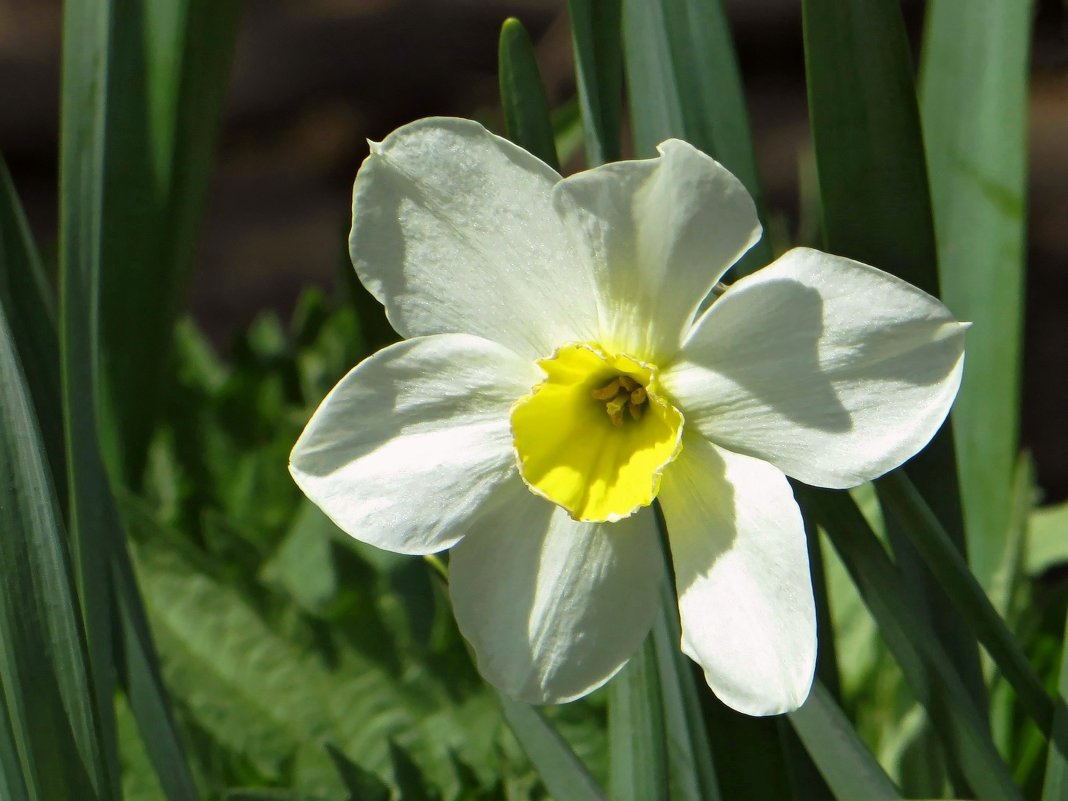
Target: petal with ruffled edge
<point>741,568</point>
<point>411,446</point>
<point>552,607</point>
<point>832,370</point>
<point>657,235</point>
<point>454,231</point>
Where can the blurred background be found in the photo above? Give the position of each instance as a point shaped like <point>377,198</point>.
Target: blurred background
<point>313,79</point>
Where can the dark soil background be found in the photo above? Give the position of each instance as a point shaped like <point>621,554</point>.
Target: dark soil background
<point>313,79</point>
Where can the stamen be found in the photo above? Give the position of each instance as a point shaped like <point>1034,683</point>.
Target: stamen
<point>622,392</point>
<point>608,391</point>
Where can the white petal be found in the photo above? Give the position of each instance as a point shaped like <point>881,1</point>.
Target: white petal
<point>658,234</point>
<point>741,566</point>
<point>832,370</point>
<point>408,449</point>
<point>453,231</point>
<point>553,608</point>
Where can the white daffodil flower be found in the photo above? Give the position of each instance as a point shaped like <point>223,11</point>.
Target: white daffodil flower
<point>555,380</point>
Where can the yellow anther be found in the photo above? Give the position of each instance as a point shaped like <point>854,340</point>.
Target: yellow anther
<point>614,408</point>
<point>628,383</point>
<point>637,396</point>
<point>608,391</point>
<point>635,410</point>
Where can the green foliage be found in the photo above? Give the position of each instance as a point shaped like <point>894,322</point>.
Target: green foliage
<point>975,137</point>
<point>299,658</point>
<point>50,732</point>
<point>595,38</point>
<point>526,111</point>
<point>636,730</point>
<point>165,80</point>
<point>296,663</point>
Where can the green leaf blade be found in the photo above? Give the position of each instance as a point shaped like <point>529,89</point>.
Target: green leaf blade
<point>596,41</point>
<point>843,760</point>
<point>876,209</point>
<point>692,773</point>
<point>165,87</point>
<point>639,760</point>
<point>973,91</point>
<point>27,301</point>
<point>526,111</point>
<point>916,647</point>
<point>1055,784</point>
<point>965,592</point>
<point>49,717</point>
<point>87,28</point>
<point>563,773</point>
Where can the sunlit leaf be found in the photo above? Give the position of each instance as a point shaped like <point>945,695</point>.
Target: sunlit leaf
<point>973,89</point>
<point>526,111</point>
<point>639,761</point>
<point>49,732</point>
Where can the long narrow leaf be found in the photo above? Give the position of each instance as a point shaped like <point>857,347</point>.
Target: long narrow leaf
<point>140,676</point>
<point>876,209</point>
<point>683,81</point>
<point>1055,785</point>
<point>49,714</point>
<point>133,173</point>
<point>170,61</point>
<point>692,773</point>
<point>843,759</point>
<point>945,561</point>
<point>12,783</point>
<point>973,86</point>
<point>526,111</point>
<point>826,655</point>
<point>87,29</point>
<point>596,40</point>
<point>638,752</point>
<point>563,773</point>
<point>27,300</point>
<point>922,657</point>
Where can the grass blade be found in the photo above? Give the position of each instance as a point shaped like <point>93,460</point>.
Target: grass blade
<point>87,29</point>
<point>866,132</point>
<point>826,654</point>
<point>139,674</point>
<point>49,716</point>
<point>683,81</point>
<point>925,532</point>
<point>973,90</point>
<point>922,656</point>
<point>693,776</point>
<point>637,749</point>
<point>27,301</point>
<point>12,784</point>
<point>111,95</point>
<point>1055,784</point>
<point>596,41</point>
<point>526,111</point>
<point>169,63</point>
<point>843,760</point>
<point>563,773</point>
<point>876,209</point>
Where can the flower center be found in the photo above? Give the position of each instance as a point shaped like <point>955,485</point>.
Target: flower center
<point>595,435</point>
<point>622,392</point>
